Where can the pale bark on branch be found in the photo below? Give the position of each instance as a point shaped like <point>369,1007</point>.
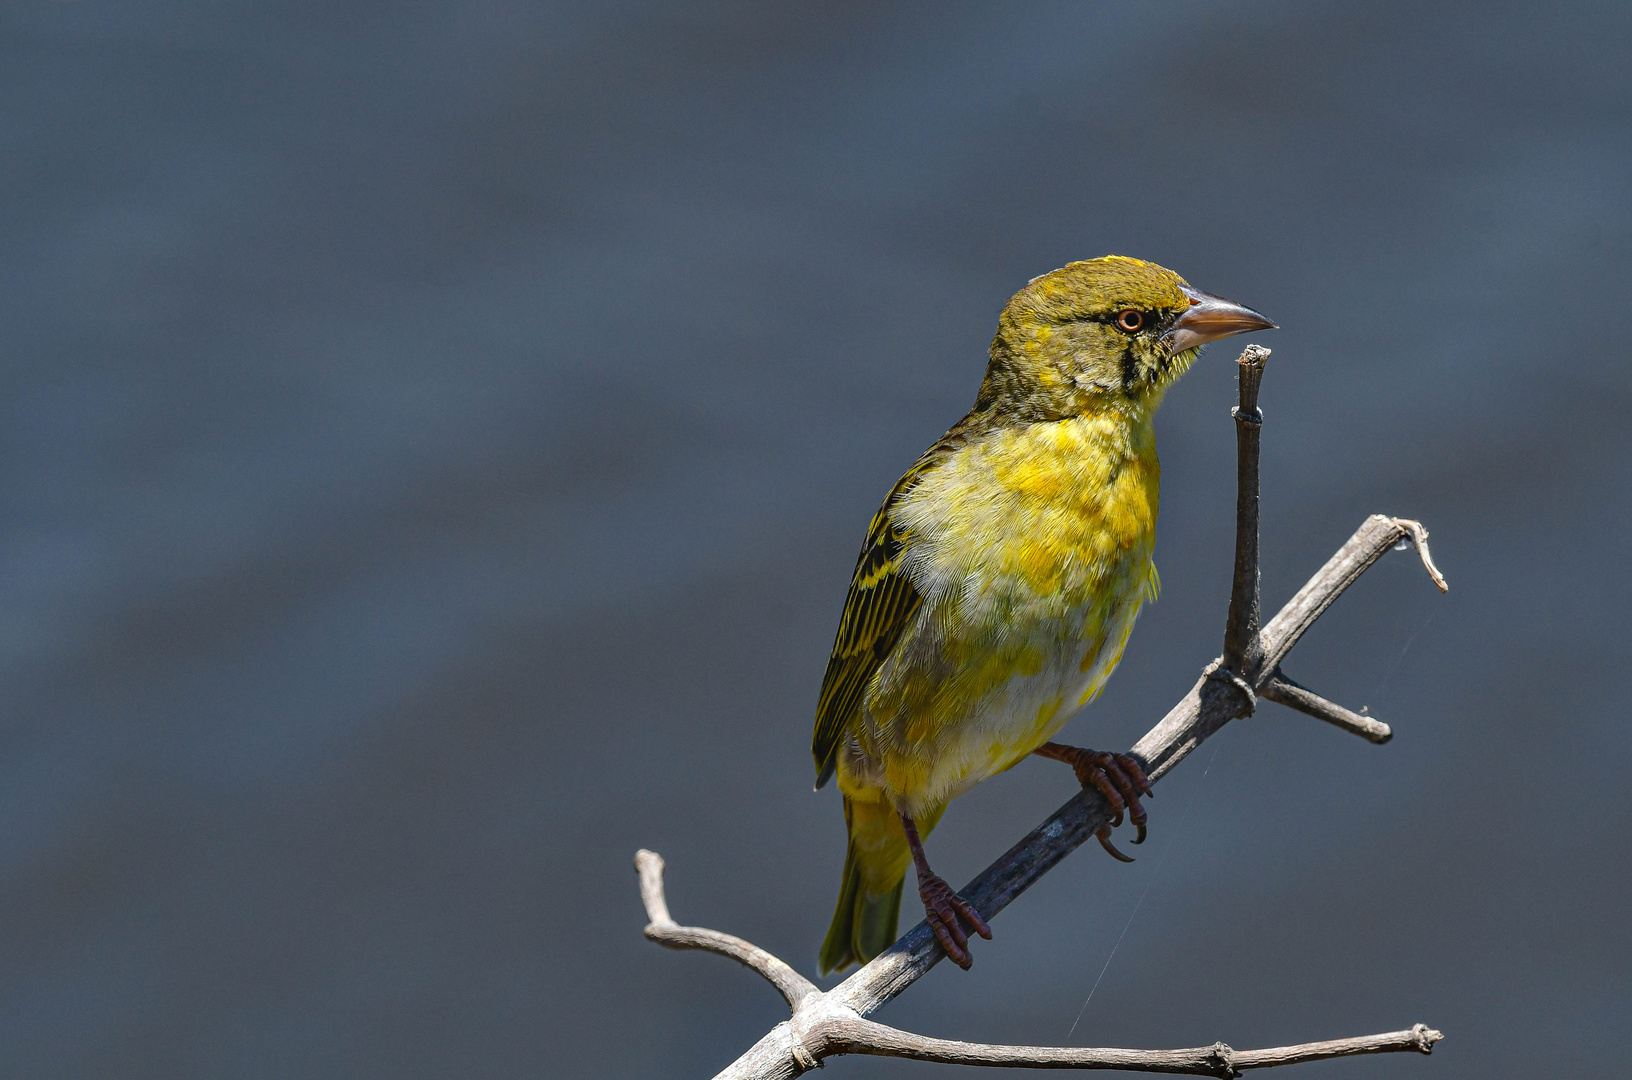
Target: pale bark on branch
<point>826,1024</point>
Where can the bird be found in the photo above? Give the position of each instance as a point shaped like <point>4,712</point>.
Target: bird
<point>999,582</point>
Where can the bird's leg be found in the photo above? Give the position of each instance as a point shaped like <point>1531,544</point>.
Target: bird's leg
<point>1117,777</point>
<point>942,906</point>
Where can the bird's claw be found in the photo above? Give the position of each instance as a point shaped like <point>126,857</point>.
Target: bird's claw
<point>1104,834</point>
<point>943,909</point>
<point>1118,778</point>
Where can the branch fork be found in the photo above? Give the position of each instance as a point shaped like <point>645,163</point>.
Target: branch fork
<point>834,1022</point>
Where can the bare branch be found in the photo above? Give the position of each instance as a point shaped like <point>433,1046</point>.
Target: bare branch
<point>866,1037</point>
<point>1419,537</point>
<point>1241,626</point>
<point>1376,535</point>
<point>1209,705</point>
<point>1279,688</point>
<point>1420,1037</point>
<point>666,932</point>
<point>833,1022</point>
<point>823,1027</point>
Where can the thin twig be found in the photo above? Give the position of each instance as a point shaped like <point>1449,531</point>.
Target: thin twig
<point>866,1037</point>
<point>666,932</point>
<point>1281,689</point>
<point>1419,538</point>
<point>1419,1037</point>
<point>1241,625</point>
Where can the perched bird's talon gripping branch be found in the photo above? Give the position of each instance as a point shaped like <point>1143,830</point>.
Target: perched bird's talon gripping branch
<point>827,1024</point>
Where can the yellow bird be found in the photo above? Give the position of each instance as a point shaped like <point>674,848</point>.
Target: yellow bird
<point>1000,580</point>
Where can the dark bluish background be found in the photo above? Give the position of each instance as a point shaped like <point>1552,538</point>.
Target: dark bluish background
<point>436,437</point>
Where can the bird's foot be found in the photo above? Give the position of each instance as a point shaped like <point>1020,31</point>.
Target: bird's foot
<point>943,908</point>
<point>1117,777</point>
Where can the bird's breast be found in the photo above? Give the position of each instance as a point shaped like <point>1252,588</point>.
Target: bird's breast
<point>1032,552</point>
<point>1043,516</point>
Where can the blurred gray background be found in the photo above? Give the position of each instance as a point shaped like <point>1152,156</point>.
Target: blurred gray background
<point>436,438</point>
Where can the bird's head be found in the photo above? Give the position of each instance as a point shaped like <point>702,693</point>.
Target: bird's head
<point>1105,332</point>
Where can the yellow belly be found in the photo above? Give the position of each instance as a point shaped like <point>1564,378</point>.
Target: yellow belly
<point>1032,551</point>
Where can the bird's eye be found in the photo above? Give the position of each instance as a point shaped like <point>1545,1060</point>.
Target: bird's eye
<point>1130,320</point>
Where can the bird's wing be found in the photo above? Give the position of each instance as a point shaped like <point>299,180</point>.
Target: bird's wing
<point>881,604</point>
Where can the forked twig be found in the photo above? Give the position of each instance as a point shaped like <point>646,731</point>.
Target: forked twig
<point>831,1023</point>
<point>666,932</point>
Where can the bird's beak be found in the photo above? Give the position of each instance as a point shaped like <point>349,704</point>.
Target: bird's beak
<point>1210,318</point>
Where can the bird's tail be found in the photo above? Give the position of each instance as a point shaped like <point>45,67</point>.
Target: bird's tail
<point>875,865</point>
